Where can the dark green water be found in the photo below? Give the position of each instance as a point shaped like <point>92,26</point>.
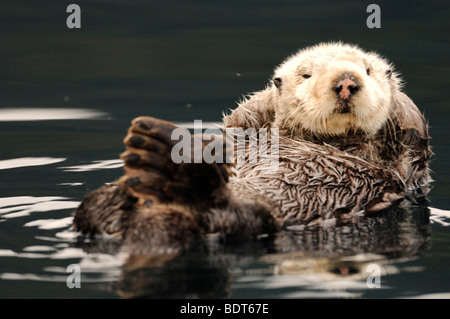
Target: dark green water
<point>180,60</point>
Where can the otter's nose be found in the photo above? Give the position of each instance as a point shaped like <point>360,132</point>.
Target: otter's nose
<point>346,87</point>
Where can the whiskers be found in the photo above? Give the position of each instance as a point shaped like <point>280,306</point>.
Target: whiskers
<point>301,118</point>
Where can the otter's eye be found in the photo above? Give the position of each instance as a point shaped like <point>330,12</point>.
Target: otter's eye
<point>306,76</point>
<point>388,73</point>
<point>368,71</point>
<point>277,82</point>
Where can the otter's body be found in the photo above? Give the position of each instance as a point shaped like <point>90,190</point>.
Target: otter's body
<point>351,144</point>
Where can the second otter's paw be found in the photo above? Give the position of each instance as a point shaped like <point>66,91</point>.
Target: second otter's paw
<point>152,175</point>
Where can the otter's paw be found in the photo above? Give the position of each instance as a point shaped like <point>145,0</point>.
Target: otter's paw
<point>151,173</point>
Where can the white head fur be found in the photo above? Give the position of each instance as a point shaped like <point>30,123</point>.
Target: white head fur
<point>305,94</point>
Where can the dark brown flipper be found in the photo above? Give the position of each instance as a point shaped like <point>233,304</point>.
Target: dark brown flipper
<point>159,207</point>
<point>151,174</point>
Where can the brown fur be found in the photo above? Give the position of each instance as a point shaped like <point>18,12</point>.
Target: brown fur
<point>354,170</point>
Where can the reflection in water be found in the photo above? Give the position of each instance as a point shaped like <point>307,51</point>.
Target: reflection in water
<point>314,261</point>
<point>295,263</point>
<point>43,114</point>
<point>402,231</point>
<point>308,263</point>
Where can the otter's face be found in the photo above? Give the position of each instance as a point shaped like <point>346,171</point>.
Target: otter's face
<point>333,89</point>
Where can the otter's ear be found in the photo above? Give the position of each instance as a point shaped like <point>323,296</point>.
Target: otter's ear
<point>277,82</point>
<point>388,74</point>
<point>256,111</point>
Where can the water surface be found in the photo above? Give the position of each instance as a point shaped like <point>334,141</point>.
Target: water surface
<point>68,96</point>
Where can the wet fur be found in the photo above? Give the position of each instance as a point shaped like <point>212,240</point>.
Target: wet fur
<point>329,173</point>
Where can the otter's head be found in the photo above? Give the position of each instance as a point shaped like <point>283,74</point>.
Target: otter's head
<point>333,88</point>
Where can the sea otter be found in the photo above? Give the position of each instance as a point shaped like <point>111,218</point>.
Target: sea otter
<point>350,145</point>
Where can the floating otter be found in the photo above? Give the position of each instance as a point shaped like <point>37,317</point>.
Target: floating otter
<point>351,145</point>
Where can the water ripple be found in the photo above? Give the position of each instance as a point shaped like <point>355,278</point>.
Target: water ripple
<point>96,165</point>
<point>51,223</point>
<point>440,216</point>
<point>19,206</point>
<point>46,114</point>
<point>29,161</point>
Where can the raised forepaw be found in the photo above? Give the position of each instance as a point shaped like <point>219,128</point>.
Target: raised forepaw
<point>151,174</point>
